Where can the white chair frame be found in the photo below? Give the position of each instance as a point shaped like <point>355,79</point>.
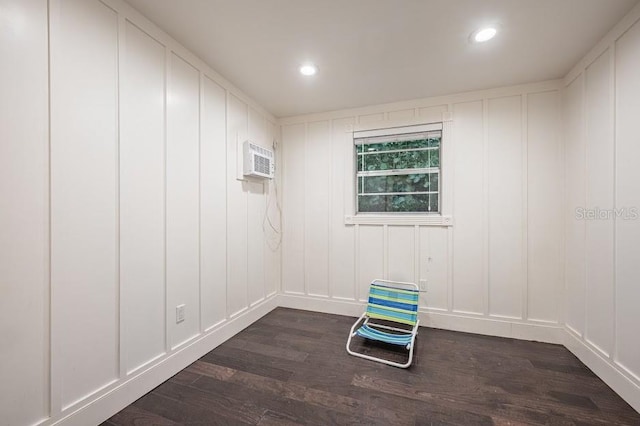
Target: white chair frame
<point>413,331</point>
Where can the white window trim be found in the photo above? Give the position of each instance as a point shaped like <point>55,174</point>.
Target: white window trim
<point>444,218</point>
<point>433,219</point>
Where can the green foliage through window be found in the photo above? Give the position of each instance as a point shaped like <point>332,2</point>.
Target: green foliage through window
<point>399,183</point>
<point>399,160</point>
<point>399,176</point>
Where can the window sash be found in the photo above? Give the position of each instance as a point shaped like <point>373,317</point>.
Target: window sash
<point>397,138</point>
<point>391,135</point>
<point>426,212</point>
<point>361,192</point>
<point>398,193</point>
<point>395,172</point>
<point>400,130</point>
<point>393,151</point>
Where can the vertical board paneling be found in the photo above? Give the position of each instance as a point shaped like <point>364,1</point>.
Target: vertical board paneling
<point>468,238</point>
<point>316,205</point>
<point>183,199</point>
<point>575,198</point>
<point>213,205</point>
<point>237,233</point>
<point>602,225</point>
<point>486,174</point>
<point>401,254</point>
<point>24,250</point>
<point>434,265</point>
<point>273,224</point>
<point>342,243</point>
<point>370,259</point>
<point>627,197</point>
<point>255,212</point>
<point>255,242</point>
<point>106,177</point>
<point>142,197</point>
<point>293,202</point>
<point>506,223</point>
<point>599,233</point>
<point>545,200</point>
<point>84,225</point>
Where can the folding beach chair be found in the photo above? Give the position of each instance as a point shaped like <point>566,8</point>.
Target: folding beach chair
<point>392,305</point>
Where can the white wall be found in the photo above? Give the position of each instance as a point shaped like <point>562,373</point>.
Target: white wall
<point>120,201</point>
<point>497,270</point>
<point>601,111</point>
<point>24,205</point>
<point>121,207</point>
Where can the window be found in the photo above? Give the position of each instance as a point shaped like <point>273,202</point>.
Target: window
<point>398,170</point>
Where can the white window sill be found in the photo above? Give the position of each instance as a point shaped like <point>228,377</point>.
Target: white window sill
<point>400,219</point>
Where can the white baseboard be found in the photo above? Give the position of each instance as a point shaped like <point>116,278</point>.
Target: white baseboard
<point>98,409</point>
<point>548,333</point>
<point>604,368</point>
<point>315,304</point>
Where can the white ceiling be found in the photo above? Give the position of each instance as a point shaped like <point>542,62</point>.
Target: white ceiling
<point>376,51</point>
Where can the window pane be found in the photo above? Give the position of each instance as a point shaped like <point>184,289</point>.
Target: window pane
<point>397,183</point>
<point>395,192</point>
<point>433,202</point>
<point>433,182</point>
<point>434,158</point>
<point>394,160</point>
<point>372,203</point>
<point>398,203</point>
<point>392,146</point>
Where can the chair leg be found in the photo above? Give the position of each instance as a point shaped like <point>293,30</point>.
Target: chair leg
<point>382,360</point>
<point>413,345</point>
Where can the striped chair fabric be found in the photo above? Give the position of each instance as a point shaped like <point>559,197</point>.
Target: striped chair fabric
<point>381,336</point>
<point>393,304</point>
<point>396,303</point>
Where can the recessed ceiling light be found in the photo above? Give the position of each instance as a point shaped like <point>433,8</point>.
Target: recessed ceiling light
<point>308,69</point>
<point>484,34</point>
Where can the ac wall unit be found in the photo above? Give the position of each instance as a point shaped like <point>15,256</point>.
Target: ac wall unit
<point>258,161</point>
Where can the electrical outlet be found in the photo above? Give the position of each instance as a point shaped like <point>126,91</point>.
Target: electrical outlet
<point>179,313</point>
<point>423,285</point>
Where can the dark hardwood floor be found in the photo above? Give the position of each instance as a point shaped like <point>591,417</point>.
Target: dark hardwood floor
<point>291,367</point>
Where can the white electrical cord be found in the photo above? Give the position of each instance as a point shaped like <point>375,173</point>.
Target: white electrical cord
<point>273,243</point>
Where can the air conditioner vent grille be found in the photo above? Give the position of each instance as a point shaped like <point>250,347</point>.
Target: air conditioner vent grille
<point>260,150</point>
<point>258,161</point>
<point>261,164</point>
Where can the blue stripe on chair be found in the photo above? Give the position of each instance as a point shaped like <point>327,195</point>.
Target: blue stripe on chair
<point>408,294</point>
<point>394,339</point>
<point>389,303</point>
<point>391,336</point>
<point>393,314</point>
<point>394,295</point>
